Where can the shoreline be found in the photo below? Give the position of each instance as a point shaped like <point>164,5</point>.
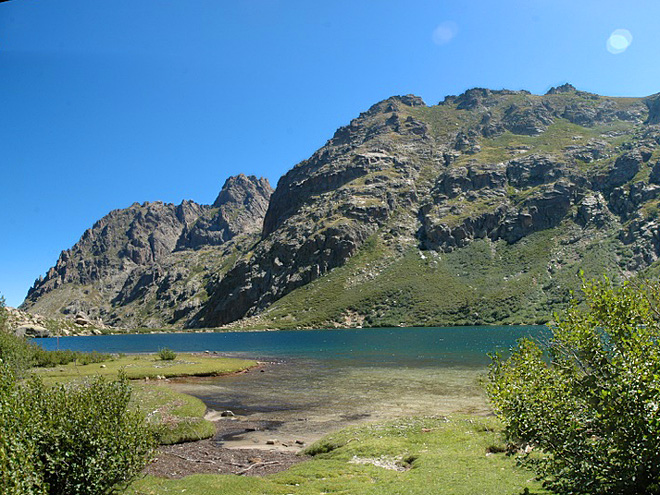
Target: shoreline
<point>179,331</point>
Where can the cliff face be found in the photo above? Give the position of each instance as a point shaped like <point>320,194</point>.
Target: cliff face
<point>480,209</point>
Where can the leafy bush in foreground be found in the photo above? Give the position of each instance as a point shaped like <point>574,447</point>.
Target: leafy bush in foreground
<point>19,474</point>
<point>76,440</point>
<point>591,406</point>
<point>16,352</point>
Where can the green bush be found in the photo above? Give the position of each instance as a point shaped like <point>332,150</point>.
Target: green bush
<point>586,404</point>
<point>16,352</point>
<point>19,473</point>
<point>79,439</point>
<point>87,439</point>
<point>3,313</point>
<point>167,354</point>
<point>49,359</point>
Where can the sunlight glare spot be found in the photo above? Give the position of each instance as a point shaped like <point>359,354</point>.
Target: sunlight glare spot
<point>619,41</point>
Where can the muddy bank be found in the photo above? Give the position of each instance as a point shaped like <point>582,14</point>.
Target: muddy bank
<point>208,457</point>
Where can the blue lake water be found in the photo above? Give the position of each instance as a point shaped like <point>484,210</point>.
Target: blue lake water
<point>416,347</point>
<point>322,380</point>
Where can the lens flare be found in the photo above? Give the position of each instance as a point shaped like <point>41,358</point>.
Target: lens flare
<point>619,41</point>
<point>444,33</point>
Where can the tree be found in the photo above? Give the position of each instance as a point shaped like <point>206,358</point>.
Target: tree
<point>586,404</point>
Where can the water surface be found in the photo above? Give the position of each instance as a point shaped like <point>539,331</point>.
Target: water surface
<point>415,347</point>
<point>318,381</point>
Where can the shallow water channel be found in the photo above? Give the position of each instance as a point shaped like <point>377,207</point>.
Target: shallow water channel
<point>315,382</point>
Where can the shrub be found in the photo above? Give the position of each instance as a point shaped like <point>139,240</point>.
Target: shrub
<point>43,358</point>
<point>588,401</point>
<point>19,474</point>
<point>88,440</point>
<point>167,354</point>
<point>77,440</point>
<point>3,313</point>
<point>15,351</point>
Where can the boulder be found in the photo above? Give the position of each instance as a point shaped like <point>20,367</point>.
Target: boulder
<point>32,331</point>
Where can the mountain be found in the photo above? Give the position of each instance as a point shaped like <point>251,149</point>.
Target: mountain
<point>149,264</point>
<point>481,209</point>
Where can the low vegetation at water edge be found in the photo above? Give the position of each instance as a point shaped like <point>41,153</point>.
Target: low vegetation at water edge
<point>586,405</point>
<point>177,417</point>
<point>427,456</point>
<point>149,366</point>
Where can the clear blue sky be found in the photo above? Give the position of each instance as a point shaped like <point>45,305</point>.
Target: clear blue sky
<point>104,103</point>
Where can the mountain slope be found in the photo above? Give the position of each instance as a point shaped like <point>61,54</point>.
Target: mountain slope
<point>481,209</point>
<point>425,183</point>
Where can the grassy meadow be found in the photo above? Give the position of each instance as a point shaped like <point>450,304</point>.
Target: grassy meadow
<point>150,366</point>
<point>180,417</point>
<point>417,456</point>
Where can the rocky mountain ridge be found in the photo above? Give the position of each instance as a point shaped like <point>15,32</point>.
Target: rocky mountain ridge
<point>151,254</point>
<point>480,209</point>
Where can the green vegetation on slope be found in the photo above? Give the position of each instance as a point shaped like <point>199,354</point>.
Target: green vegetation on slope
<point>485,282</point>
<point>558,136</point>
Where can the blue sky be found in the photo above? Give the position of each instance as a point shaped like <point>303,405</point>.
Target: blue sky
<point>105,103</point>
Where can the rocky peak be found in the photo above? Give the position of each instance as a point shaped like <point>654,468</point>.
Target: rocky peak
<point>479,97</point>
<point>503,175</point>
<point>393,104</point>
<point>141,234</point>
<point>243,190</point>
<point>125,255</point>
<point>564,88</point>
<point>239,209</point>
<point>653,104</point>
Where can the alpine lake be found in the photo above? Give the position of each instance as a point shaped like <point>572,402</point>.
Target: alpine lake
<point>313,382</point>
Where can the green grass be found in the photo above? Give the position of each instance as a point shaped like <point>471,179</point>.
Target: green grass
<point>437,456</point>
<point>180,416</point>
<point>559,135</point>
<point>469,209</point>
<point>148,366</point>
<point>485,282</point>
